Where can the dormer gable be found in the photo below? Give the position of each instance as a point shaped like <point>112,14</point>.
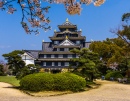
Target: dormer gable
<point>66,42</point>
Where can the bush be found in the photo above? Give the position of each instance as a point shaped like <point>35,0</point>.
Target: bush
<point>114,74</point>
<point>52,82</point>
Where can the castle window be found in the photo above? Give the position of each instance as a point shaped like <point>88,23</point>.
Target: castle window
<point>60,56</point>
<point>53,63</point>
<point>77,42</point>
<point>69,56</point>
<point>66,63</point>
<point>77,56</point>
<point>56,42</point>
<point>66,49</point>
<point>44,55</point>
<point>59,63</point>
<point>52,56</point>
<point>58,49</point>
<point>44,63</point>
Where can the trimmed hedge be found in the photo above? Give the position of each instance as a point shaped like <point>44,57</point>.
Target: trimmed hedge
<point>52,82</point>
<point>114,74</point>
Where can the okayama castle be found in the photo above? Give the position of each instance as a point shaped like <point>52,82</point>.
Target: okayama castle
<point>55,55</point>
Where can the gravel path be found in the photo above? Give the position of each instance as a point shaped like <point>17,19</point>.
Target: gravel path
<point>109,91</point>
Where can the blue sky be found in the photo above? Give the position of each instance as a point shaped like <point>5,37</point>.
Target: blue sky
<point>95,23</point>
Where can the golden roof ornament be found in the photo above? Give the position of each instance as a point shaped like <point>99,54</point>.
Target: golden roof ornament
<point>66,37</point>
<point>67,29</point>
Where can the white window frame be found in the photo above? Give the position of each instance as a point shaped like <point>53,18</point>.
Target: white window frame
<point>78,42</point>
<point>58,49</point>
<point>77,56</point>
<point>45,55</point>
<point>44,63</point>
<point>59,63</point>
<point>60,56</point>
<point>53,64</point>
<point>52,56</point>
<point>66,49</point>
<point>69,55</point>
<point>66,63</point>
<point>56,42</point>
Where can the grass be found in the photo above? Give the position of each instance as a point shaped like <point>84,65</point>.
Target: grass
<point>10,79</point>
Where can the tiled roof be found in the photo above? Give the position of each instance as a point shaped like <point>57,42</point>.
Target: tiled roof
<point>67,23</point>
<point>56,52</point>
<point>46,47</point>
<point>33,53</point>
<point>55,59</point>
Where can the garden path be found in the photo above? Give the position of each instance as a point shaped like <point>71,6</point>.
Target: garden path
<point>109,91</point>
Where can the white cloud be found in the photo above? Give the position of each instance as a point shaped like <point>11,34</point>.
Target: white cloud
<point>4,46</point>
<point>33,45</point>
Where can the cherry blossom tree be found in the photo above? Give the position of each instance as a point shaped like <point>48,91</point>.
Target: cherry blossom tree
<point>34,15</point>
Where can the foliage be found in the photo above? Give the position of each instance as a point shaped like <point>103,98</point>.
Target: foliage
<point>114,74</point>
<point>124,31</point>
<point>1,70</point>
<point>86,63</point>
<point>14,61</point>
<point>108,50</point>
<point>10,79</point>
<point>52,82</point>
<point>113,52</point>
<point>124,34</point>
<point>34,13</point>
<point>29,69</point>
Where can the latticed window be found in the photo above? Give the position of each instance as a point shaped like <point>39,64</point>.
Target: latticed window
<point>77,42</point>
<point>60,56</point>
<point>53,63</point>
<point>77,56</point>
<point>56,42</point>
<point>52,56</point>
<point>44,63</point>
<point>69,56</point>
<point>44,55</point>
<point>66,49</point>
<point>58,49</point>
<point>59,63</point>
<point>66,63</point>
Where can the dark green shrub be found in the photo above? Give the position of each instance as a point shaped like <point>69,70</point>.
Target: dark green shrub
<point>114,74</point>
<point>51,82</point>
<point>69,81</point>
<point>37,82</point>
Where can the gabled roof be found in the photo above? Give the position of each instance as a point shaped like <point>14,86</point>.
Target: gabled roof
<point>32,53</point>
<point>66,42</point>
<point>46,46</point>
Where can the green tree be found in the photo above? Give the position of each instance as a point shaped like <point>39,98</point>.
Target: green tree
<point>1,70</point>
<point>26,70</point>
<point>15,61</point>
<point>108,50</point>
<point>86,63</point>
<point>113,51</point>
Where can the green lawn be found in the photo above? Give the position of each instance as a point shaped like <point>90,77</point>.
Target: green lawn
<point>9,79</point>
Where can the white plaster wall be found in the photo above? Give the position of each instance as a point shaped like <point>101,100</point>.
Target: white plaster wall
<point>29,61</point>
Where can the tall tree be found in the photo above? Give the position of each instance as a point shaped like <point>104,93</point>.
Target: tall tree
<point>34,14</point>
<point>108,51</point>
<point>86,63</point>
<point>124,31</point>
<point>15,61</point>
